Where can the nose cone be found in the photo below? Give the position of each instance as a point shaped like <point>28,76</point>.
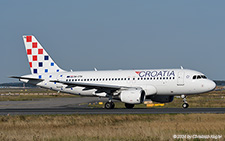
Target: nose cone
<point>211,85</point>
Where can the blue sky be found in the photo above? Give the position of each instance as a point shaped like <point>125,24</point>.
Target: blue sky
<point>125,34</point>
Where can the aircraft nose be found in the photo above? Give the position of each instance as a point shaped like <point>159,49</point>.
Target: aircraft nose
<point>211,85</point>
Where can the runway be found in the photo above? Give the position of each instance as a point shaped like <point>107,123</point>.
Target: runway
<point>68,111</point>
<point>65,106</point>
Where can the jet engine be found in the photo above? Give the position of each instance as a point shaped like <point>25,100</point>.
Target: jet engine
<point>161,98</point>
<point>132,96</point>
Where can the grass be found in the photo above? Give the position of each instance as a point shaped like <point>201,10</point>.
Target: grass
<point>110,127</point>
<point>25,90</point>
<point>20,94</point>
<point>31,97</point>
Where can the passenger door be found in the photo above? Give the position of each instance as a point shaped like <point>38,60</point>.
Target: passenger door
<point>180,78</point>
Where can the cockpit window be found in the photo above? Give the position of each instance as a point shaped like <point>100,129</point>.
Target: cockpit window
<point>199,77</point>
<point>204,77</point>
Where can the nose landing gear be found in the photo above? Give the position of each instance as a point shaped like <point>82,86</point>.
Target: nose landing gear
<point>109,105</point>
<point>185,104</point>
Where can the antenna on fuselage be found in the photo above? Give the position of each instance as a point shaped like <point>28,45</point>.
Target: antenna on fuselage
<point>95,69</point>
<point>181,67</point>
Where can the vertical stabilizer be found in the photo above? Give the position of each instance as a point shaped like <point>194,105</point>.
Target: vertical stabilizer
<point>39,60</point>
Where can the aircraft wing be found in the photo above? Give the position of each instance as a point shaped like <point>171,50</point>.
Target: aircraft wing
<point>90,85</point>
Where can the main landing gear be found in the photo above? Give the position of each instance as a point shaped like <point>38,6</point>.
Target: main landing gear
<point>185,104</point>
<point>129,106</point>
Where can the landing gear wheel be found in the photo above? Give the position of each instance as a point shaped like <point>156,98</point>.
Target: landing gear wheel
<point>185,105</point>
<point>129,106</point>
<point>109,105</point>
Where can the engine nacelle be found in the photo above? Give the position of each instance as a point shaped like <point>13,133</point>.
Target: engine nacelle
<point>161,98</point>
<point>132,96</point>
<point>149,90</point>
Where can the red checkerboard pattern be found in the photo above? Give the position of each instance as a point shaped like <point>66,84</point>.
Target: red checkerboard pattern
<point>34,45</point>
<point>29,51</point>
<point>39,60</point>
<point>40,51</point>
<point>34,57</point>
<point>29,38</point>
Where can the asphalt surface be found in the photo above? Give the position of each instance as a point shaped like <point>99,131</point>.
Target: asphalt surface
<point>55,111</point>
<point>54,106</point>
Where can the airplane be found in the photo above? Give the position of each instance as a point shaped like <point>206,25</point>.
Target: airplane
<point>128,86</point>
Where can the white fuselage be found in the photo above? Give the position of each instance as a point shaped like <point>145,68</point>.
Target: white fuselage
<point>154,82</point>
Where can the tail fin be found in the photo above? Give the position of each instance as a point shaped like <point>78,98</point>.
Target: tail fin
<point>39,60</point>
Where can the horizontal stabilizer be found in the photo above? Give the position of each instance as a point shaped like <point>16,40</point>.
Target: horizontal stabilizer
<point>28,78</point>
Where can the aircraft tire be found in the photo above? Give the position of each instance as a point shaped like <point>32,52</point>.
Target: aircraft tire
<point>185,105</point>
<point>129,106</point>
<point>109,105</point>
